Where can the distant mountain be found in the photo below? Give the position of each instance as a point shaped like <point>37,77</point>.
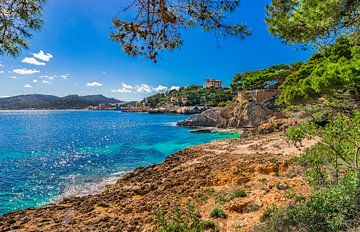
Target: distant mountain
<point>39,101</point>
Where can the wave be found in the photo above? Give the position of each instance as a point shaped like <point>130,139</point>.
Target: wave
<point>88,188</point>
<point>171,123</point>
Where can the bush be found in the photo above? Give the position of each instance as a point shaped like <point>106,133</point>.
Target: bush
<point>334,171</point>
<point>337,150</point>
<point>205,193</point>
<point>238,193</point>
<point>218,213</point>
<point>186,219</point>
<point>331,210</point>
<point>223,197</point>
<point>209,225</point>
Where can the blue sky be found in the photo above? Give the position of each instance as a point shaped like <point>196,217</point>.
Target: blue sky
<point>80,59</point>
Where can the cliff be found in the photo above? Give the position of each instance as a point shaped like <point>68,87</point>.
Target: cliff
<point>243,112</point>
<point>207,175</point>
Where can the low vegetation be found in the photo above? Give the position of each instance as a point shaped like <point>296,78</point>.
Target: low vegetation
<point>185,218</point>
<point>333,170</point>
<point>223,197</point>
<point>218,213</point>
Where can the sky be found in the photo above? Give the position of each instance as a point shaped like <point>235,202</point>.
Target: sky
<point>72,54</point>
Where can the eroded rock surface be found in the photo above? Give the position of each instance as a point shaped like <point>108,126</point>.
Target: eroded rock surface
<point>244,112</point>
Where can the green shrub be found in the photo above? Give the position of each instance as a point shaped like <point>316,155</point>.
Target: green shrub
<point>334,172</point>
<point>329,210</point>
<point>222,197</point>
<point>337,150</point>
<point>218,213</point>
<point>209,225</point>
<point>238,193</point>
<point>186,219</point>
<point>205,193</point>
<point>270,211</point>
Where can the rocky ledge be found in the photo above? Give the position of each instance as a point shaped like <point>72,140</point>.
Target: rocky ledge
<point>205,175</point>
<point>243,112</point>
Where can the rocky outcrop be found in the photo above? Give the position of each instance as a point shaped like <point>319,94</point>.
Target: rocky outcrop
<point>209,118</point>
<point>244,112</point>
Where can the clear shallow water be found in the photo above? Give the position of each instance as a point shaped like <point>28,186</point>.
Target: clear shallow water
<point>48,155</point>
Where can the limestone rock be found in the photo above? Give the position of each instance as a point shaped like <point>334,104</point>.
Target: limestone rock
<point>244,112</point>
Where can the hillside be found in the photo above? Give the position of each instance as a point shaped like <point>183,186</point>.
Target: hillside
<point>39,101</point>
<point>191,96</point>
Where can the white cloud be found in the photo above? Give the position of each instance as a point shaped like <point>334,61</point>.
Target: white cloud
<point>4,96</point>
<point>94,84</point>
<point>143,88</point>
<point>65,77</point>
<point>42,56</point>
<point>48,77</point>
<point>25,71</point>
<point>126,86</point>
<point>13,77</point>
<point>2,71</point>
<point>161,88</point>
<point>27,86</point>
<point>46,82</point>
<point>123,89</point>
<point>35,81</point>
<point>33,61</point>
<point>174,87</point>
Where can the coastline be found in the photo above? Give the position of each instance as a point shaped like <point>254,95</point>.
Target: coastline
<point>222,165</point>
<point>82,164</point>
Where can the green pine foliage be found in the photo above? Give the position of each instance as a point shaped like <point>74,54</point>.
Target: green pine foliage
<point>331,77</point>
<point>18,19</point>
<point>316,22</point>
<point>269,77</point>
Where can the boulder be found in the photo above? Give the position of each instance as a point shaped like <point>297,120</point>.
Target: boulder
<point>209,118</point>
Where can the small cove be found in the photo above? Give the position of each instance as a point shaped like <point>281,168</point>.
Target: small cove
<point>48,155</point>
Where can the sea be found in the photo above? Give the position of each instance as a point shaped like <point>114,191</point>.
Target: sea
<point>47,156</point>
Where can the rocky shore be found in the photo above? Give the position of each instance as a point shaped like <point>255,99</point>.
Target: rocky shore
<point>167,110</point>
<point>259,165</point>
<point>243,112</point>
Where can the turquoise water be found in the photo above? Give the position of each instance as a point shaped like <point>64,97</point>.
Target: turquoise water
<point>46,156</point>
